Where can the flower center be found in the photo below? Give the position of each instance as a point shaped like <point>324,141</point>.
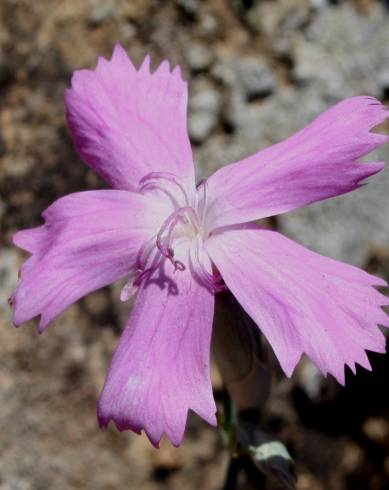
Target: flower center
<point>182,223</point>
<point>185,222</point>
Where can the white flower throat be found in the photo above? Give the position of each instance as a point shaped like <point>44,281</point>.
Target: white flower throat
<point>186,222</point>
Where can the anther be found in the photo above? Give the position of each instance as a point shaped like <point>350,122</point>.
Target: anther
<point>179,266</point>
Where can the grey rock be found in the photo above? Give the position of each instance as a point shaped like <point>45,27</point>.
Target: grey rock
<point>263,124</point>
<point>209,25</point>
<point>224,71</point>
<point>319,4</point>
<point>259,125</point>
<point>279,21</point>
<point>251,76</point>
<point>383,79</point>
<point>199,57</point>
<point>205,100</point>
<point>200,126</point>
<point>256,78</point>
<point>344,52</point>
<point>204,109</point>
<point>234,112</point>
<point>246,80</point>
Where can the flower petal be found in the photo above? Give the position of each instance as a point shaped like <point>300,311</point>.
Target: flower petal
<point>318,162</point>
<point>161,367</point>
<point>302,301</point>
<point>89,240</point>
<point>127,123</point>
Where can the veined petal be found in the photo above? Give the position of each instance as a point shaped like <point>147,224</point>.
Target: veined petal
<point>127,123</point>
<point>302,302</point>
<point>318,162</point>
<point>161,366</point>
<point>89,240</point>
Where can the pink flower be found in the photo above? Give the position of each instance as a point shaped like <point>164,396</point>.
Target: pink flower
<point>179,244</point>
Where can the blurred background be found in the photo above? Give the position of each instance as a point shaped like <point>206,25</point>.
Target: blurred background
<point>258,71</point>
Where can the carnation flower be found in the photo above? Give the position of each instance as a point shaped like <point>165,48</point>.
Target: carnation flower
<point>178,245</point>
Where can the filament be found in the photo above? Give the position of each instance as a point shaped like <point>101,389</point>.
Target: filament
<point>151,181</point>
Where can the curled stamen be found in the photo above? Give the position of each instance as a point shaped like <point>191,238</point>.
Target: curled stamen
<point>150,181</point>
<point>168,226</point>
<point>143,275</point>
<point>145,251</point>
<point>154,186</point>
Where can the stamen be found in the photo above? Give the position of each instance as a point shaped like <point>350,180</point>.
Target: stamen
<point>211,282</point>
<point>203,184</point>
<point>150,181</point>
<point>145,252</point>
<point>144,274</point>
<point>179,266</point>
<point>129,289</point>
<point>169,224</point>
<point>160,246</point>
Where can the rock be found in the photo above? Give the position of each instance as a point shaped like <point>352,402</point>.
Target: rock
<point>376,429</point>
<point>383,81</point>
<point>246,80</point>
<point>255,126</point>
<point>353,64</point>
<point>352,457</point>
<point>204,108</point>
<point>128,31</point>
<point>234,112</point>
<point>190,7</point>
<point>251,77</point>
<point>100,13</point>
<point>209,25</point>
<point>279,21</point>
<point>200,125</point>
<point>224,71</point>
<point>256,78</point>
<point>199,58</point>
